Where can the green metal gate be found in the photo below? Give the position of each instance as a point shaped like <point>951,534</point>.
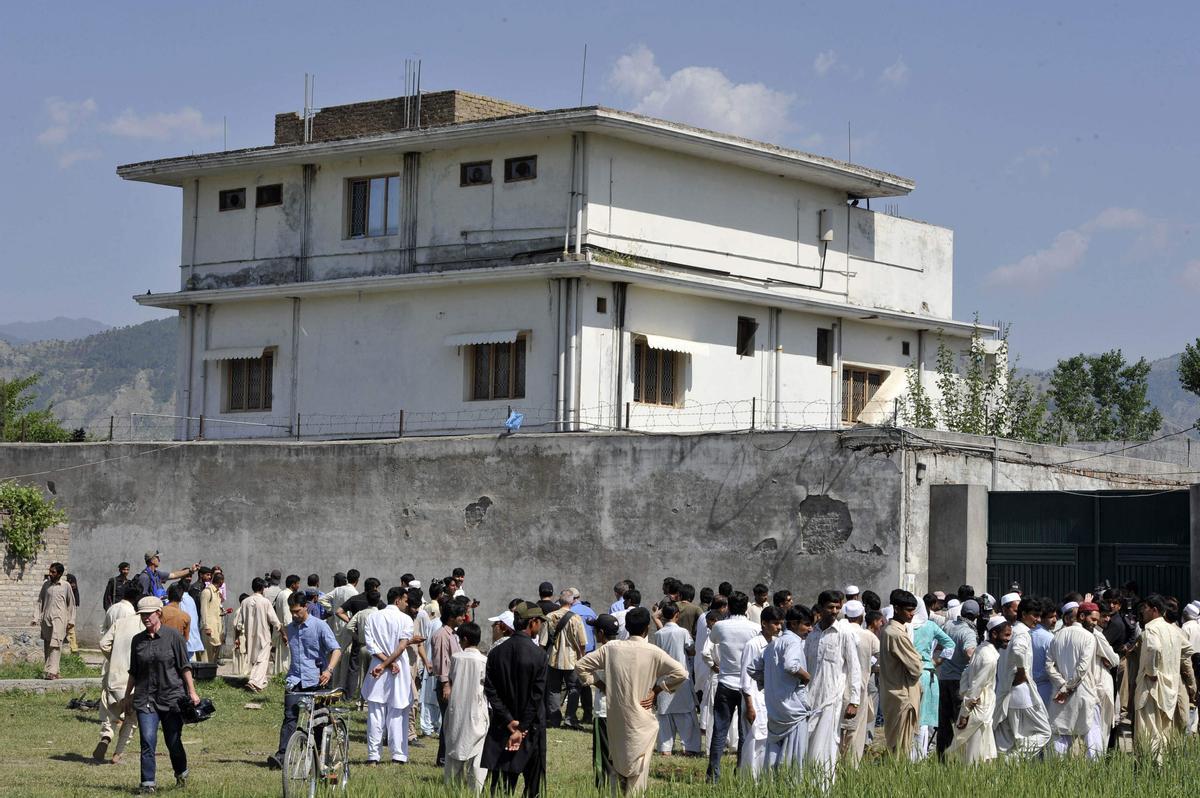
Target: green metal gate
<point>1052,543</point>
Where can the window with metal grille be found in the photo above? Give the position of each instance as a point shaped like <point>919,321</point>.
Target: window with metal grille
<point>498,370</point>
<point>374,207</point>
<point>268,195</point>
<point>478,173</point>
<point>248,383</point>
<point>824,356</point>
<point>746,328</point>
<point>654,375</point>
<point>523,168</point>
<point>231,199</point>
<point>858,386</point>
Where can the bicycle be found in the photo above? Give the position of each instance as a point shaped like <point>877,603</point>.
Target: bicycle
<point>317,756</point>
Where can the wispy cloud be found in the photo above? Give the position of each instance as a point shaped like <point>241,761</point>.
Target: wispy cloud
<point>1190,276</point>
<point>1069,248</point>
<point>71,157</point>
<point>896,74</point>
<point>1039,156</point>
<point>702,96</point>
<point>186,123</point>
<point>824,62</point>
<point>66,116</point>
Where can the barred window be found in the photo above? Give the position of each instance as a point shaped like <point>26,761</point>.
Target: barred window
<point>858,387</point>
<point>654,375</point>
<point>498,370</point>
<point>374,207</point>
<point>248,383</point>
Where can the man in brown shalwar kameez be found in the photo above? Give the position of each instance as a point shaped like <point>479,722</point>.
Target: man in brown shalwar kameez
<point>55,614</point>
<point>899,676</point>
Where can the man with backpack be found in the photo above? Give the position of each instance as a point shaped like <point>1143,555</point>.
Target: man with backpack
<point>153,582</point>
<point>566,642</point>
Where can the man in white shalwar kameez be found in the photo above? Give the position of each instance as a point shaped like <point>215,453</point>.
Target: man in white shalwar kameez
<point>854,730</point>
<point>1021,721</point>
<point>831,650</point>
<point>1075,703</point>
<point>115,644</point>
<point>754,716</point>
<point>676,711</point>
<point>254,627</point>
<point>974,740</point>
<point>633,673</point>
<point>387,688</point>
<point>465,723</point>
<point>783,671</point>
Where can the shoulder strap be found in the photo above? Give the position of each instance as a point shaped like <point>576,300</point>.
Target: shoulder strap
<point>552,638</point>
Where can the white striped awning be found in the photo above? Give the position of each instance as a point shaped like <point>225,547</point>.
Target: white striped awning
<point>675,344</point>
<point>473,338</point>
<point>235,353</point>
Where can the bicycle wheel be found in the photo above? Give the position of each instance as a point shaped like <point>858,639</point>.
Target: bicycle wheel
<point>335,755</point>
<point>299,775</point>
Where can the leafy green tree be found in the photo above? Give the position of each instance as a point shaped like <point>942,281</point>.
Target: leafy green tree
<point>982,397</point>
<point>1101,398</point>
<point>1189,369</point>
<point>18,422</point>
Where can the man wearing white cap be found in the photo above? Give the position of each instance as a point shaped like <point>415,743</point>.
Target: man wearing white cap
<point>502,627</point>
<point>831,650</point>
<point>951,669</point>
<point>1191,631</point>
<point>1022,725</point>
<point>854,730</point>
<point>1070,664</point>
<point>852,593</point>
<point>974,740</point>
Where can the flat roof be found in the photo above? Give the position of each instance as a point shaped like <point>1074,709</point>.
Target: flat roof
<point>857,181</point>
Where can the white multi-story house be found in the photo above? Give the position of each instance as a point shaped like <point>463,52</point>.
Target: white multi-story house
<point>590,268</point>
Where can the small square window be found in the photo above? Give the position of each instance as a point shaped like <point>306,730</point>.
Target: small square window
<point>904,349</point>
<point>268,195</point>
<point>824,356</point>
<point>601,304</point>
<point>746,327</point>
<point>523,168</point>
<point>478,173</point>
<point>232,199</point>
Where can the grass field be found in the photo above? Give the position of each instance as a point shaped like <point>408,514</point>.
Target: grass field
<point>71,666</point>
<point>47,750</point>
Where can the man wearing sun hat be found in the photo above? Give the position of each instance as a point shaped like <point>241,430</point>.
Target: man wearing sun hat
<point>160,679</point>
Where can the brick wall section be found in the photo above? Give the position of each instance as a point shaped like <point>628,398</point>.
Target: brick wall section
<point>386,116</point>
<point>19,588</point>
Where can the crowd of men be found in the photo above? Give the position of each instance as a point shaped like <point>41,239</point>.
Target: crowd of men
<point>783,686</point>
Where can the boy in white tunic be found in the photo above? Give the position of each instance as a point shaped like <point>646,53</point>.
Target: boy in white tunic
<point>466,721</point>
<point>974,740</point>
<point>1075,702</point>
<point>831,650</point>
<point>1021,722</point>
<point>754,727</point>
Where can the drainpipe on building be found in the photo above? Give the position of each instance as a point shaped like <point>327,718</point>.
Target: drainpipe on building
<point>195,229</point>
<point>580,177</point>
<point>620,295</point>
<point>191,365</point>
<point>776,313</point>
<point>835,412</point>
<point>204,363</point>
<point>294,404</point>
<point>559,351</point>
<point>570,200</point>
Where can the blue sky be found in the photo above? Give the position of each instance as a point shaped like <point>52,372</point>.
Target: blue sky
<point>1057,140</point>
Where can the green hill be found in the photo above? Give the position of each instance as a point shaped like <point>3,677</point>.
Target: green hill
<point>114,373</point>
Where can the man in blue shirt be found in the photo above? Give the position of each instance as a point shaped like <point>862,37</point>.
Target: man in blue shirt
<point>1043,637</point>
<point>314,654</point>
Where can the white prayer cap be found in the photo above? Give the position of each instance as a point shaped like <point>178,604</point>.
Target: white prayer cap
<point>854,609</point>
<point>415,583</point>
<point>1009,598</point>
<point>887,611</point>
<point>1196,604</point>
<point>851,590</point>
<point>505,618</point>
<point>1191,612</point>
<point>995,621</point>
<point>1070,605</point>
<point>952,603</point>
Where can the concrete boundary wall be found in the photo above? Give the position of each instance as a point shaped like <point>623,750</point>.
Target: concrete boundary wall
<point>804,510</point>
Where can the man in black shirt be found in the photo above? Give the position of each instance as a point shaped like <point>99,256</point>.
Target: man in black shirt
<point>545,600</point>
<point>348,610</point>
<point>160,680</point>
<point>114,591</point>
<point>515,686</point>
